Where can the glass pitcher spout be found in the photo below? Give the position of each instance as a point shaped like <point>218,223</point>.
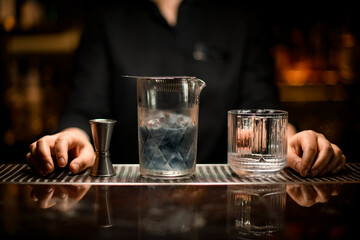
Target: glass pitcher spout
<point>201,84</point>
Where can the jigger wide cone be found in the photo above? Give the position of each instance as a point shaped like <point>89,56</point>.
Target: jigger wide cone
<point>101,132</point>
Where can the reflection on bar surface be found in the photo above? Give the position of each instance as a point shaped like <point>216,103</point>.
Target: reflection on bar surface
<point>249,211</point>
<point>255,211</point>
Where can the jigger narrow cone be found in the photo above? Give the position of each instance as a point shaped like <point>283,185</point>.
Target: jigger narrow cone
<point>101,132</point>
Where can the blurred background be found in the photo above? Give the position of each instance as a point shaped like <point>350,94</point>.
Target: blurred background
<point>315,47</point>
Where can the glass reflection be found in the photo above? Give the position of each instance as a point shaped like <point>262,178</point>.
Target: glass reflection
<point>255,211</point>
<point>168,211</point>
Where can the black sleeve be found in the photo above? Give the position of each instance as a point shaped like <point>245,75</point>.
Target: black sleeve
<point>89,94</point>
<point>258,89</point>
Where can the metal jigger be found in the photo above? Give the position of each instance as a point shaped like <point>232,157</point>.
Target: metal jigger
<point>101,131</point>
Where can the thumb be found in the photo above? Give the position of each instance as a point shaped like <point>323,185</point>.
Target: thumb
<point>294,161</point>
<point>83,160</point>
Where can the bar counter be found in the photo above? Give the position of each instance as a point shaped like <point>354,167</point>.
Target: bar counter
<point>213,204</point>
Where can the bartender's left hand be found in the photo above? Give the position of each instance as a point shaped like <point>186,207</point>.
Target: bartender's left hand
<point>310,153</point>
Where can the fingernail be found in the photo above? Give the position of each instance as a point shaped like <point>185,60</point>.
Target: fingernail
<point>306,171</point>
<point>61,161</point>
<point>314,172</point>
<point>48,167</point>
<point>76,167</point>
<point>297,166</point>
<point>337,169</point>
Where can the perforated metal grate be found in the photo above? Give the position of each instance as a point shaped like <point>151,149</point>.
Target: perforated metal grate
<point>206,174</point>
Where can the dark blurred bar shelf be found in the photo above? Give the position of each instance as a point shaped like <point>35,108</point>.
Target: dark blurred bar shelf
<point>64,42</point>
<point>314,93</point>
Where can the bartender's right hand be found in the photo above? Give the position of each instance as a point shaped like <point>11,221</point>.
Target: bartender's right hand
<point>71,145</point>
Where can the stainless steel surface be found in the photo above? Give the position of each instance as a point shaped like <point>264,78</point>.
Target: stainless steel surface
<point>101,132</point>
<point>206,174</point>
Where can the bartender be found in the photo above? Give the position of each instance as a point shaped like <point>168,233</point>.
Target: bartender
<point>223,43</point>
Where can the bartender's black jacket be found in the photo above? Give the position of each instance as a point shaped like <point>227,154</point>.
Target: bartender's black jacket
<point>132,38</point>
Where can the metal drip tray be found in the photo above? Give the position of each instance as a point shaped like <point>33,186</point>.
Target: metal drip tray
<point>206,174</point>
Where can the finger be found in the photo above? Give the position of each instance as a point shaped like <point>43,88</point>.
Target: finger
<point>44,156</point>
<point>65,144</point>
<point>293,191</point>
<point>307,142</point>
<point>336,189</point>
<point>334,161</point>
<point>308,157</point>
<point>33,195</point>
<point>327,190</point>
<point>74,190</point>
<point>85,159</point>
<point>309,193</point>
<point>293,154</point>
<point>41,192</point>
<point>46,200</point>
<point>79,191</point>
<point>293,160</point>
<point>31,158</point>
<point>340,165</point>
<point>62,144</point>
<point>31,164</point>
<point>65,200</point>
<point>323,157</point>
<point>61,193</point>
<point>302,195</point>
<point>323,193</point>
